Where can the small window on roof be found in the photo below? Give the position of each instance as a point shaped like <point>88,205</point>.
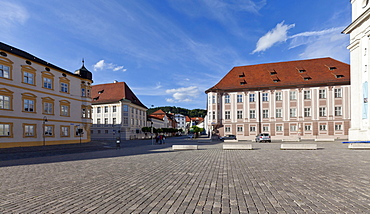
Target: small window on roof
<point>306,78</point>
<point>339,76</point>
<point>243,82</point>
<point>275,79</point>
<point>301,69</point>
<point>273,72</point>
<point>96,98</point>
<point>99,92</point>
<point>332,68</point>
<point>242,75</point>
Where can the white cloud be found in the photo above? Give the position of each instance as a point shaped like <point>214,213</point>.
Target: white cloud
<point>183,94</point>
<point>158,85</point>
<point>12,14</point>
<point>309,37</point>
<point>101,65</point>
<point>276,35</point>
<point>329,44</point>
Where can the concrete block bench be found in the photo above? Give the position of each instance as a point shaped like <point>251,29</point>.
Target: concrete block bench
<point>184,147</point>
<point>230,141</point>
<point>291,140</point>
<point>298,146</point>
<point>325,140</point>
<point>359,146</point>
<point>237,146</point>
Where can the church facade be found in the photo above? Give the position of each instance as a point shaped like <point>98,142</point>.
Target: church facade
<point>359,31</point>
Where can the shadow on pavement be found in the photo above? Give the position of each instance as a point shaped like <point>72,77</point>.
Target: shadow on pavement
<point>92,150</point>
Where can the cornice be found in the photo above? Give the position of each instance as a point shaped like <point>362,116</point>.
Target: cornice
<point>361,19</point>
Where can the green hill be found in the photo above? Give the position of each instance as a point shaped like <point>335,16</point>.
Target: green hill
<point>178,110</point>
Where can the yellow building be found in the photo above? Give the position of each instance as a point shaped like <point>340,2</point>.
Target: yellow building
<point>40,103</point>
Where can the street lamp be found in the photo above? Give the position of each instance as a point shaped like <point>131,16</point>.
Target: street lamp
<point>45,119</point>
<point>151,129</point>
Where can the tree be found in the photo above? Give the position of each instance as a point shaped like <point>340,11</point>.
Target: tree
<point>196,130</point>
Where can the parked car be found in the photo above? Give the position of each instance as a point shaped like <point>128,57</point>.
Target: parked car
<point>228,137</point>
<point>263,137</point>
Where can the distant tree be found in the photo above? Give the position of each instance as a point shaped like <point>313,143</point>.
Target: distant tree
<point>178,110</point>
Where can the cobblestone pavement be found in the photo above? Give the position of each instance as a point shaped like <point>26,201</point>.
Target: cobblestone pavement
<point>154,179</point>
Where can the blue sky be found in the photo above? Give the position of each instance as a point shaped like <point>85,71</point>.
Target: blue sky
<point>170,51</point>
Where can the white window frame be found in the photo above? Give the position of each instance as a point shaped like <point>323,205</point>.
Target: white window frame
<point>292,95</point>
<point>322,111</point>
<point>239,98</point>
<point>265,97</point>
<point>322,127</point>
<point>239,115</point>
<point>338,127</point>
<point>322,93</point>
<point>252,114</point>
<point>337,93</point>
<point>338,110</point>
<point>307,95</point>
<point>279,113</point>
<point>307,112</point>
<point>252,98</point>
<point>227,98</point>
<point>292,112</point>
<point>227,115</point>
<point>265,113</point>
<point>278,96</point>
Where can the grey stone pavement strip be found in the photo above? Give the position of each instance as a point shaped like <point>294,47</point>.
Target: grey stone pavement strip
<point>155,179</point>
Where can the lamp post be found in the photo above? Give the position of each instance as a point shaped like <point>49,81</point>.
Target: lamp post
<point>151,130</point>
<point>45,119</point>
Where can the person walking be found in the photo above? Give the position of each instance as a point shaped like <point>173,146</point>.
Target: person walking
<point>118,143</point>
<point>160,139</point>
<point>156,139</point>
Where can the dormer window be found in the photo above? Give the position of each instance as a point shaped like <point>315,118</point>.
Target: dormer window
<point>306,78</point>
<point>339,76</point>
<point>241,75</point>
<point>96,98</point>
<point>273,72</point>
<point>99,92</point>
<point>301,69</point>
<point>243,82</point>
<point>275,79</point>
<point>332,68</point>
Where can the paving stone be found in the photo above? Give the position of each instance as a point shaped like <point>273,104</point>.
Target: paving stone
<point>145,178</point>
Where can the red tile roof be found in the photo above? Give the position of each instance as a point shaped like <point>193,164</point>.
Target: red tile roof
<point>113,92</point>
<point>159,114</point>
<point>302,73</point>
<point>199,119</point>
